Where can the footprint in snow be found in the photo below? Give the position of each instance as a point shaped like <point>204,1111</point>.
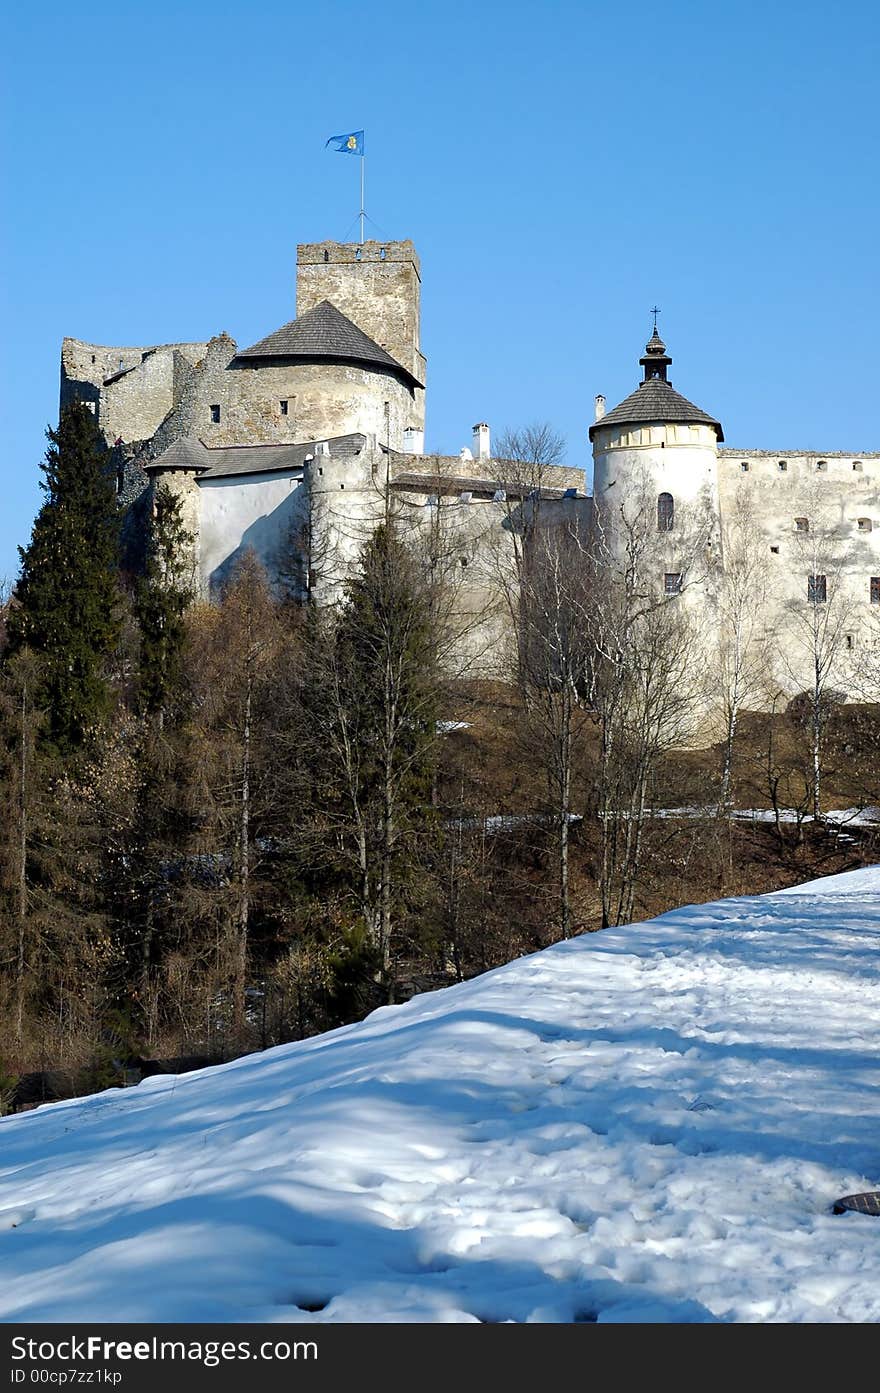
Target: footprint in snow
<point>14,1218</point>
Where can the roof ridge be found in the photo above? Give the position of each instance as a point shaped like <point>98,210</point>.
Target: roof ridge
<point>282,444</point>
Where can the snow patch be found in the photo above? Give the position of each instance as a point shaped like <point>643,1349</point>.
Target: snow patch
<point>647,1124</point>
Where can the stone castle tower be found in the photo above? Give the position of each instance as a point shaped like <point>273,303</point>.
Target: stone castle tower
<point>657,453</point>
<point>350,360</point>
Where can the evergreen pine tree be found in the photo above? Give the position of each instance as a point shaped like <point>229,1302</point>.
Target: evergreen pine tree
<point>163,596</point>
<point>66,594</point>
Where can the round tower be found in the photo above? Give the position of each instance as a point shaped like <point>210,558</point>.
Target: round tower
<point>655,485</point>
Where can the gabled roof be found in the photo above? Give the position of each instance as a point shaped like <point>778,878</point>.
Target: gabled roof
<point>325,332</point>
<point>225,460</point>
<point>655,400</point>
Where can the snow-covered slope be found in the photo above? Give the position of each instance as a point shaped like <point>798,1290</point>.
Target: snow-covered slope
<point>644,1124</point>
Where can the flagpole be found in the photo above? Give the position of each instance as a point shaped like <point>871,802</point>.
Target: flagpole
<point>363,158</point>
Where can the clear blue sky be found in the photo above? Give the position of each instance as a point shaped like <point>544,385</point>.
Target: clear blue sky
<point>561,168</point>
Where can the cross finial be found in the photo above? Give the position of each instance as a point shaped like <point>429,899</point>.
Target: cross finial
<point>655,310</point>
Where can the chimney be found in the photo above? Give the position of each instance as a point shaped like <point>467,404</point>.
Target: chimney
<point>482,446</point>
<point>413,441</point>
<point>600,407</point>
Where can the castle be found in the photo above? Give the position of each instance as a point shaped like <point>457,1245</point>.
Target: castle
<point>297,441</point>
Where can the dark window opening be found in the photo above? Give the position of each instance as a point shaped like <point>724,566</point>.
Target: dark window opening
<point>850,641</point>
<point>672,583</point>
<point>744,466</point>
<point>865,525</point>
<point>775,551</point>
<point>283,405</point>
<point>875,590</point>
<point>326,256</point>
<point>665,512</point>
<point>782,466</point>
<point>215,415</point>
<point>817,590</point>
<point>821,464</point>
<point>802,524</point>
<point>93,357</point>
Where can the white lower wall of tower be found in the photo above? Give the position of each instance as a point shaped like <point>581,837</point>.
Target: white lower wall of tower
<point>263,512</point>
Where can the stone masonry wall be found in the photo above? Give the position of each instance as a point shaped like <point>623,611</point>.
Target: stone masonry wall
<point>323,400</point>
<point>453,467</point>
<point>838,495</point>
<point>85,368</point>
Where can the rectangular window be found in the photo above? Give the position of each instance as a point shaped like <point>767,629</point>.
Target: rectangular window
<point>817,590</point>
<point>744,467</point>
<point>850,641</point>
<point>775,551</point>
<point>672,583</point>
<point>782,466</point>
<point>801,525</point>
<point>875,590</point>
<point>215,415</point>
<point>283,406</point>
<point>865,525</point>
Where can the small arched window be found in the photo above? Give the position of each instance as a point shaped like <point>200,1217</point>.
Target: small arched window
<point>665,512</point>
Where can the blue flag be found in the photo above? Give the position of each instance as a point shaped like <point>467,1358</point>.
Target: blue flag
<point>352,144</point>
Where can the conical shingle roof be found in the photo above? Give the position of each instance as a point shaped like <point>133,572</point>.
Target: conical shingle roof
<point>186,453</point>
<point>655,400</point>
<point>325,332</point>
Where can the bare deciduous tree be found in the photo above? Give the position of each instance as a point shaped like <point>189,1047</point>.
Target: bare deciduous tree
<point>743,659</point>
<point>816,623</point>
<point>647,678</point>
<point>554,662</point>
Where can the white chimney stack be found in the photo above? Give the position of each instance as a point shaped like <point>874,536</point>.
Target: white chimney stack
<point>482,445</point>
<point>413,441</point>
<point>600,407</point>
